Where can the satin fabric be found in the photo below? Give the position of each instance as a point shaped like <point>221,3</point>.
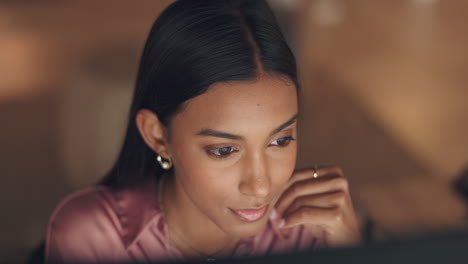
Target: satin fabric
<point>99,224</point>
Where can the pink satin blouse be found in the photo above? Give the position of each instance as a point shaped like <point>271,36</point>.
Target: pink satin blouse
<point>98,224</point>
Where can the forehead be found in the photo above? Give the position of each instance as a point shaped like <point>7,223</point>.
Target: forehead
<point>240,105</point>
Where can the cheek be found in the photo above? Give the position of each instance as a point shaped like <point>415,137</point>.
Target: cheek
<point>201,175</point>
<point>282,166</point>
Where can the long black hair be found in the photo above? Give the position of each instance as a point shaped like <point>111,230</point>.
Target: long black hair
<point>192,45</point>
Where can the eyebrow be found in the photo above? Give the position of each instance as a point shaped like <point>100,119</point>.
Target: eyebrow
<point>220,134</point>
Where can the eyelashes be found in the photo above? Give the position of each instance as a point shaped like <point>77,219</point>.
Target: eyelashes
<point>224,152</point>
<point>283,141</point>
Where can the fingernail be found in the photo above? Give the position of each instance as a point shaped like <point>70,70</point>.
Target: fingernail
<point>273,214</point>
<point>281,223</point>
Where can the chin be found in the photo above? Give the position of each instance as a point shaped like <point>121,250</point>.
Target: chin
<point>246,229</point>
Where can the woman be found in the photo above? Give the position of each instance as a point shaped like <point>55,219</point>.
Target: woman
<point>206,170</point>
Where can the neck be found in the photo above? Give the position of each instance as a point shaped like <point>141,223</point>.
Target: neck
<point>187,237</point>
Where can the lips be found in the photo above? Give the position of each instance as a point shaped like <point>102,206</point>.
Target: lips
<point>250,215</point>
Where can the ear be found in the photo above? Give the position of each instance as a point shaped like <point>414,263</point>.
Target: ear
<point>153,132</point>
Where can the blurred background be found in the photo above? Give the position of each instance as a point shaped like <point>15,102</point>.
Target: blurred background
<point>383,96</point>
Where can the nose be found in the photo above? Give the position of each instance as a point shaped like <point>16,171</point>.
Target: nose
<point>255,181</point>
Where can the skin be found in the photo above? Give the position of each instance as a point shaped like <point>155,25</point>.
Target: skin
<point>214,173</point>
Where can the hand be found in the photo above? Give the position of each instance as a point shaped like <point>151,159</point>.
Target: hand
<point>320,204</point>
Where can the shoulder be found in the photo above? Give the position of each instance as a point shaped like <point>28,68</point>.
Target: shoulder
<point>88,208</point>
<point>82,223</point>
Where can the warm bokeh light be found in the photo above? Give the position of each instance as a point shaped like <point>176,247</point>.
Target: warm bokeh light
<point>383,96</point>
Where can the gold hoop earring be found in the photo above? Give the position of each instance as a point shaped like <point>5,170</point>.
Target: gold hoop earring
<point>165,164</point>
<point>315,168</point>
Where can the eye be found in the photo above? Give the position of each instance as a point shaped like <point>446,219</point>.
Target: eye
<point>222,152</point>
<point>282,142</point>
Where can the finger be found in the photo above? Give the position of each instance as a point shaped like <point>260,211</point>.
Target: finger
<point>326,200</point>
<point>313,216</point>
<point>294,189</point>
<point>322,171</point>
<point>311,187</point>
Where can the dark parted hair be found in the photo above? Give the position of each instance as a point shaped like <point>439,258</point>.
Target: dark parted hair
<point>192,45</point>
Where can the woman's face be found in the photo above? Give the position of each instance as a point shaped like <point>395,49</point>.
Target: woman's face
<point>234,149</point>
